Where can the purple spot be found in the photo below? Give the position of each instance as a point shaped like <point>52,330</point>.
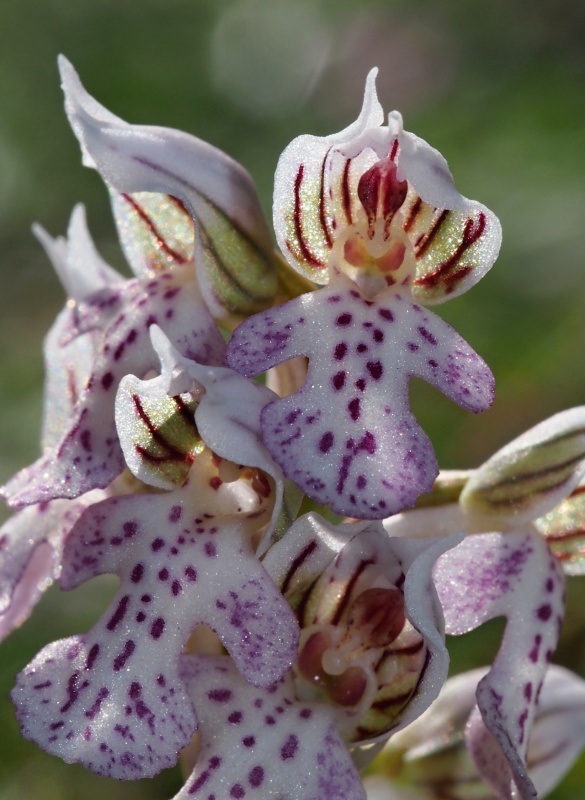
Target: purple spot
<point>354,408</point>
<point>289,748</point>
<point>305,713</point>
<point>343,320</point>
<point>94,710</point>
<point>361,348</point>
<point>412,347</point>
<point>237,791</point>
<point>190,573</point>
<point>360,384</point>
<point>427,335</point>
<point>256,776</point>
<point>210,549</point>
<point>235,717</point>
<point>119,613</point>
<point>123,657</point>
<point>176,588</point>
<point>157,628</point>
<point>528,691</point>
<point>137,573</point>
<point>386,314</point>
<point>340,351</point>
<point>338,380</point>
<point>107,380</point>
<point>368,443</point>
<point>269,720</point>
<point>220,695</point>
<point>432,363</point>
<point>141,616</point>
<point>85,439</point>
<point>248,741</point>
<point>375,369</point>
<point>544,612</point>
<point>361,482</point>
<point>175,514</point>
<point>157,544</point>
<point>335,298</point>
<point>163,574</point>
<point>146,598</point>
<point>92,655</point>
<point>378,335</point>
<point>326,442</point>
<point>130,529</point>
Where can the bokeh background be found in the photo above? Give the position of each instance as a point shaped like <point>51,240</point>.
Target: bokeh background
<point>498,87</point>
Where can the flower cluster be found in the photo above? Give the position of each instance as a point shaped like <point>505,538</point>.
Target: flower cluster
<point>165,464</point>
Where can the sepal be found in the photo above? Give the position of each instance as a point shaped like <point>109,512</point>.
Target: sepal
<point>512,575</point>
<point>233,252</point>
<point>530,475</point>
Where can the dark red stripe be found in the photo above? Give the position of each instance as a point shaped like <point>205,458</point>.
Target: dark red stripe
<point>423,245</point>
<point>180,259</point>
<point>298,561</point>
<point>346,595</point>
<point>412,215</point>
<point>345,195</point>
<point>173,452</point>
<point>305,252</point>
<point>322,215</point>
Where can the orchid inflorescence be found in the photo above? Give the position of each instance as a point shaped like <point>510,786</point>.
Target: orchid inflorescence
<point>165,463</point>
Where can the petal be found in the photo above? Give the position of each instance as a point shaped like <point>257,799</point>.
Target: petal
<point>255,744</point>
<point>80,268</point>
<point>73,340</point>
<point>532,474</point>
<point>155,230</point>
<point>348,438</point>
<point>89,454</point>
<point>233,251</point>
<point>558,735</point>
<point>512,575</point>
<point>113,699</point>
<point>31,544</point>
<point>453,248</point>
<point>564,530</point>
<point>314,190</point>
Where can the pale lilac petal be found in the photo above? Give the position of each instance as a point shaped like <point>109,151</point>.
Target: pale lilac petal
<point>314,190</point>
<point>31,545</point>
<point>112,699</point>
<point>73,340</point>
<point>155,230</point>
<point>348,437</point>
<point>89,453</point>
<point>80,268</point>
<point>532,474</point>
<point>516,576</point>
<point>233,249</point>
<point>256,744</point>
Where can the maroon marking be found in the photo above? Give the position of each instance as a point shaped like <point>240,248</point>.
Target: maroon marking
<point>344,600</point>
<point>340,351</point>
<point>326,442</point>
<point>157,628</point>
<point>471,234</point>
<point>345,193</point>
<point>322,216</point>
<point>306,254</point>
<point>412,214</point>
<point>298,562</point>
<point>174,454</point>
<point>94,710</point>
<point>289,748</point>
<point>423,244</point>
<point>354,408</point>
<point>256,776</point>
<point>174,254</point>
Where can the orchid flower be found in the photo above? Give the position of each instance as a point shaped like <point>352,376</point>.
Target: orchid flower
<point>373,213</point>
<point>429,758</point>
<point>506,568</point>
<point>371,658</point>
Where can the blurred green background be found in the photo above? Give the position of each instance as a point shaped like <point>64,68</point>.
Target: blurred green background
<point>498,88</point>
